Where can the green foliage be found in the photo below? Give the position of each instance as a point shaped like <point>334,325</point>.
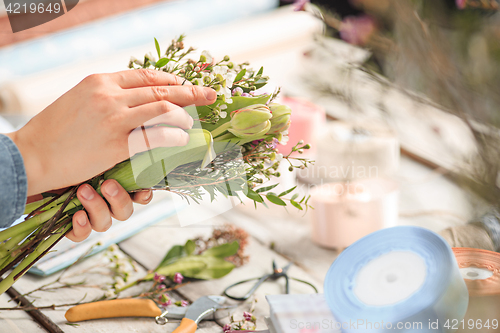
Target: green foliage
<point>209,264</point>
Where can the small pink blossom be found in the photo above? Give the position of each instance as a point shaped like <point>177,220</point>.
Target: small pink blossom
<point>300,5</point>
<point>178,278</point>
<point>237,91</point>
<point>184,303</point>
<point>159,278</point>
<point>167,303</point>
<point>273,144</point>
<point>461,4</point>
<point>247,316</point>
<point>226,328</point>
<point>164,300</point>
<point>357,30</point>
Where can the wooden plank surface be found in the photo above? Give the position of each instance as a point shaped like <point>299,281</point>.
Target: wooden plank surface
<point>16,321</point>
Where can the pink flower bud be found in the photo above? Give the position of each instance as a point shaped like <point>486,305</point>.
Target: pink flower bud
<point>159,278</point>
<point>461,4</point>
<point>357,30</point>
<point>247,316</point>
<point>178,278</point>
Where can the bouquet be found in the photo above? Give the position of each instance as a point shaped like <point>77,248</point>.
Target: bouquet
<point>232,150</point>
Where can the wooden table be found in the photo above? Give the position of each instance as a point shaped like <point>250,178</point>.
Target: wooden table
<point>286,233</point>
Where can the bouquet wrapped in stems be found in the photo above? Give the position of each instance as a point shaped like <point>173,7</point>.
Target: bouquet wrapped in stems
<point>231,151</point>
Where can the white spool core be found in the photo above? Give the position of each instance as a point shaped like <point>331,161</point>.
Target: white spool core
<point>390,278</point>
<point>476,273</point>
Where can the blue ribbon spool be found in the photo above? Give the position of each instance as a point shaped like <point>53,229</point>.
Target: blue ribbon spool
<point>401,279</point>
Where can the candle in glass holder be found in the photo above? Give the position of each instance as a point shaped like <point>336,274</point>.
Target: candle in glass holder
<point>306,117</point>
<point>347,211</point>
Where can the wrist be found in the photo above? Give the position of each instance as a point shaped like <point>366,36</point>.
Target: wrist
<point>32,164</point>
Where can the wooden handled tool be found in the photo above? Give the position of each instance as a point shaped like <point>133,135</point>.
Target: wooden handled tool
<point>112,309</point>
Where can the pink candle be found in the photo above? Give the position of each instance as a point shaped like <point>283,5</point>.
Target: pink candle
<point>347,211</point>
<point>306,117</point>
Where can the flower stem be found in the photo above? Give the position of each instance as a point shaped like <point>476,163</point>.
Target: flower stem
<point>31,258</point>
<point>221,129</point>
<point>33,222</point>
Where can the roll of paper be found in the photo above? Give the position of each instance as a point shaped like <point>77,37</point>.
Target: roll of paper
<point>481,272</point>
<point>347,211</point>
<point>401,279</point>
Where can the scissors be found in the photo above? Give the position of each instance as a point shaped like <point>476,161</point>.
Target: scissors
<point>275,275</point>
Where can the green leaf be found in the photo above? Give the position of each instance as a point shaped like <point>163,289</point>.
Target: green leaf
<point>158,48</point>
<point>274,199</point>
<point>261,70</point>
<point>187,266</point>
<point>175,253</point>
<point>189,247</point>
<point>254,196</point>
<point>222,188</point>
<point>240,75</point>
<point>295,196</point>
<point>296,205</point>
<point>260,83</point>
<point>211,191</point>
<point>222,251</point>
<point>287,191</point>
<point>215,268</point>
<point>265,189</point>
<point>162,62</point>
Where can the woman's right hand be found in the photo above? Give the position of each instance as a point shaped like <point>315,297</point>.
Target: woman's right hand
<point>87,130</point>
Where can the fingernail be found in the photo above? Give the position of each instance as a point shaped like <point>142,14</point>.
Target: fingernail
<point>111,189</point>
<point>86,192</point>
<point>148,195</point>
<point>81,221</point>
<point>210,94</point>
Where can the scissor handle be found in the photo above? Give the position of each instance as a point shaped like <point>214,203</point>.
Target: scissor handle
<point>250,292</point>
<point>305,282</point>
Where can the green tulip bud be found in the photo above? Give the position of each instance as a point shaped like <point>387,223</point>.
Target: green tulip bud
<point>251,121</point>
<point>281,118</point>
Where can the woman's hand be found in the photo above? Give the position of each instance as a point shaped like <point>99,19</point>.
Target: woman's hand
<point>86,131</point>
<point>98,214</point>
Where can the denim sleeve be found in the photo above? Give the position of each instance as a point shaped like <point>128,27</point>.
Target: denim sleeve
<point>13,182</point>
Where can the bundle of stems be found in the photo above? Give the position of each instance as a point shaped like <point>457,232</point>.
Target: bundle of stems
<point>231,151</point>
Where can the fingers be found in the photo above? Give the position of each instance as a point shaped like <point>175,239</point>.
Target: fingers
<point>97,209</point>
<point>143,197</point>
<point>81,227</point>
<point>180,95</point>
<point>162,112</point>
<point>121,206</point>
<point>142,139</point>
<point>98,214</point>
<point>146,77</point>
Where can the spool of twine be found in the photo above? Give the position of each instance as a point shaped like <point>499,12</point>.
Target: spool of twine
<point>482,234</point>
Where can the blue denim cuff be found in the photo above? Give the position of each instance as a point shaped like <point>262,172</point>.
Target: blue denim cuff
<point>13,182</point>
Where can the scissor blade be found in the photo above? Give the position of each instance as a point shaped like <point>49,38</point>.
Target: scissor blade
<point>203,306</point>
<point>179,312</point>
